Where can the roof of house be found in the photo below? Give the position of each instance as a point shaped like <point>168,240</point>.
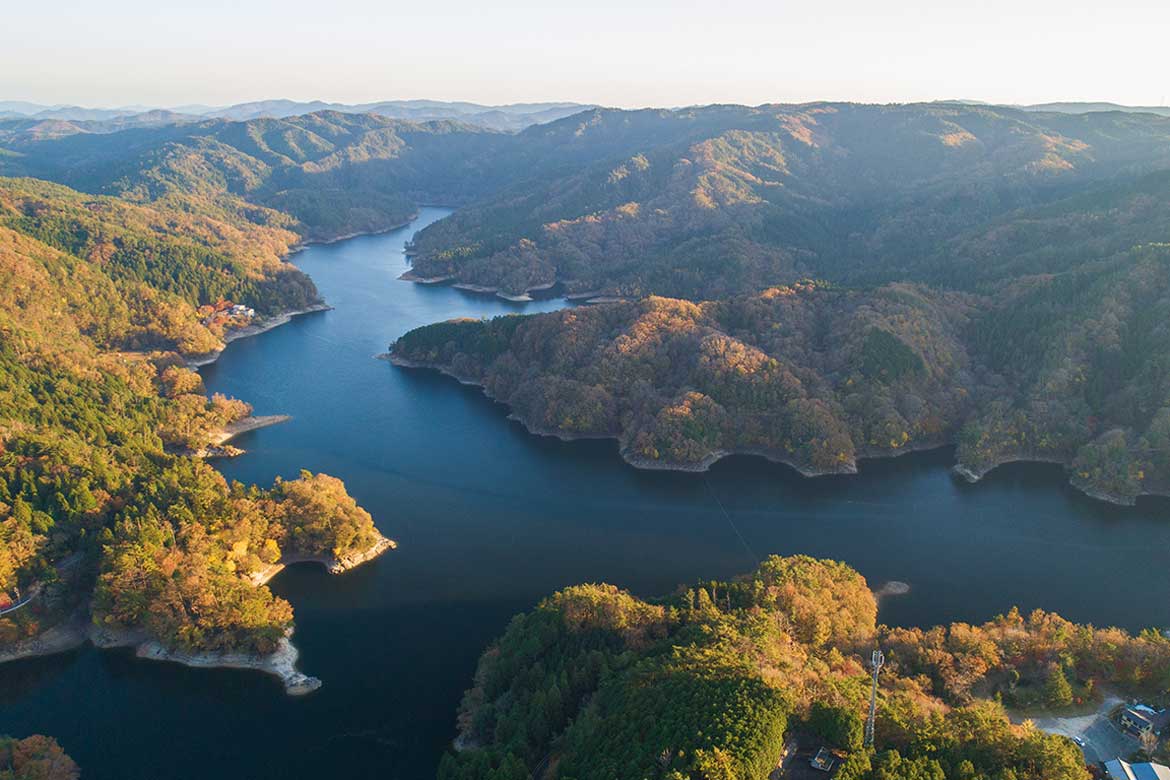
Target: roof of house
<point>823,760</point>
<point>1123,770</point>
<point>1142,713</point>
<point>1133,713</point>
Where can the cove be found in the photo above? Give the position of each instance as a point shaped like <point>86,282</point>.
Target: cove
<point>490,519</point>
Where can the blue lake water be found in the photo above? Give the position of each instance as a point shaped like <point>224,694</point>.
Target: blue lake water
<point>489,519</point>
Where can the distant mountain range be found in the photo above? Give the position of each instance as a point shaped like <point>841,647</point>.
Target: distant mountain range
<point>1093,108</point>
<point>510,118</point>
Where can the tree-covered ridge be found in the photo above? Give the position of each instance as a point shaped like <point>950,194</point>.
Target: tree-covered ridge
<point>711,682</point>
<point>96,498</point>
<point>35,758</point>
<point>726,200</point>
<point>325,174</point>
<point>133,276</point>
<point>1058,366</point>
<point>622,200</point>
<point>1089,378</point>
<point>807,374</point>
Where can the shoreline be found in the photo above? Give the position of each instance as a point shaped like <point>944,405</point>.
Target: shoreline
<point>631,460</point>
<point>280,663</point>
<point>275,321</point>
<point>250,423</point>
<point>524,297</point>
<point>589,298</point>
<point>255,329</point>
<point>973,476</point>
<point>332,565</point>
<point>218,447</point>
<point>346,236</point>
<point>962,470</point>
<point>411,276</point>
<point>76,630</point>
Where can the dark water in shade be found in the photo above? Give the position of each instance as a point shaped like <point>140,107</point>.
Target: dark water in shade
<point>489,519</point>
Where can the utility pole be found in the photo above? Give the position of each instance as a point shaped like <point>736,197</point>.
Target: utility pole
<point>876,664</point>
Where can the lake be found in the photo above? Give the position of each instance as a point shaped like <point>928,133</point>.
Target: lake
<point>489,519</point>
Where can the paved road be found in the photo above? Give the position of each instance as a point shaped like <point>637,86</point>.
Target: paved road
<point>1103,740</point>
<point>32,594</point>
<point>65,563</point>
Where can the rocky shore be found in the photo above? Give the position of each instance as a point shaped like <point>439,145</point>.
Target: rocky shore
<point>973,474</point>
<point>411,276</point>
<point>65,636</point>
<point>79,629</point>
<point>280,663</point>
<point>523,297</point>
<point>966,472</point>
<point>332,565</point>
<point>631,458</point>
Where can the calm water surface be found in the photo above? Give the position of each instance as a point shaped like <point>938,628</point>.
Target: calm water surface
<point>489,519</point>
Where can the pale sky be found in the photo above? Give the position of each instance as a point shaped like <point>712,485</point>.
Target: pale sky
<point>614,52</point>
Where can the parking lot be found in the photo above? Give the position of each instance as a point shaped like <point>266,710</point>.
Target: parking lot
<point>1103,740</point>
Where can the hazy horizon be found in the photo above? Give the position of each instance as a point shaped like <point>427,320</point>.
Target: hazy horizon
<point>134,52</point>
<point>172,106</point>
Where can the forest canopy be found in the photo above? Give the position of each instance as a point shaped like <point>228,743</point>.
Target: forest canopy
<point>715,681</point>
<point>99,494</point>
<point>1066,369</point>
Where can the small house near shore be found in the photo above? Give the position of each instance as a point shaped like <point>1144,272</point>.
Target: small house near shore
<point>1140,719</point>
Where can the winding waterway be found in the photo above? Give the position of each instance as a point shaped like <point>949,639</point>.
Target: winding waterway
<point>489,519</point>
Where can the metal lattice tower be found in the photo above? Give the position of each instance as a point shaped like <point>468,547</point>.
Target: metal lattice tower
<point>876,664</point>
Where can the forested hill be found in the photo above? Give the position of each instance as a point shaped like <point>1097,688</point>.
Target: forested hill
<point>1018,255</point>
<point>135,275</point>
<point>725,200</point>
<point>1070,368</point>
<point>1012,265</point>
<point>695,202</point>
<point>102,516</point>
<point>718,679</point>
<point>334,173</point>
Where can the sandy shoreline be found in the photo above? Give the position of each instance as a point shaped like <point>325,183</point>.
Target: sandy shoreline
<point>249,423</point>
<point>218,447</point>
